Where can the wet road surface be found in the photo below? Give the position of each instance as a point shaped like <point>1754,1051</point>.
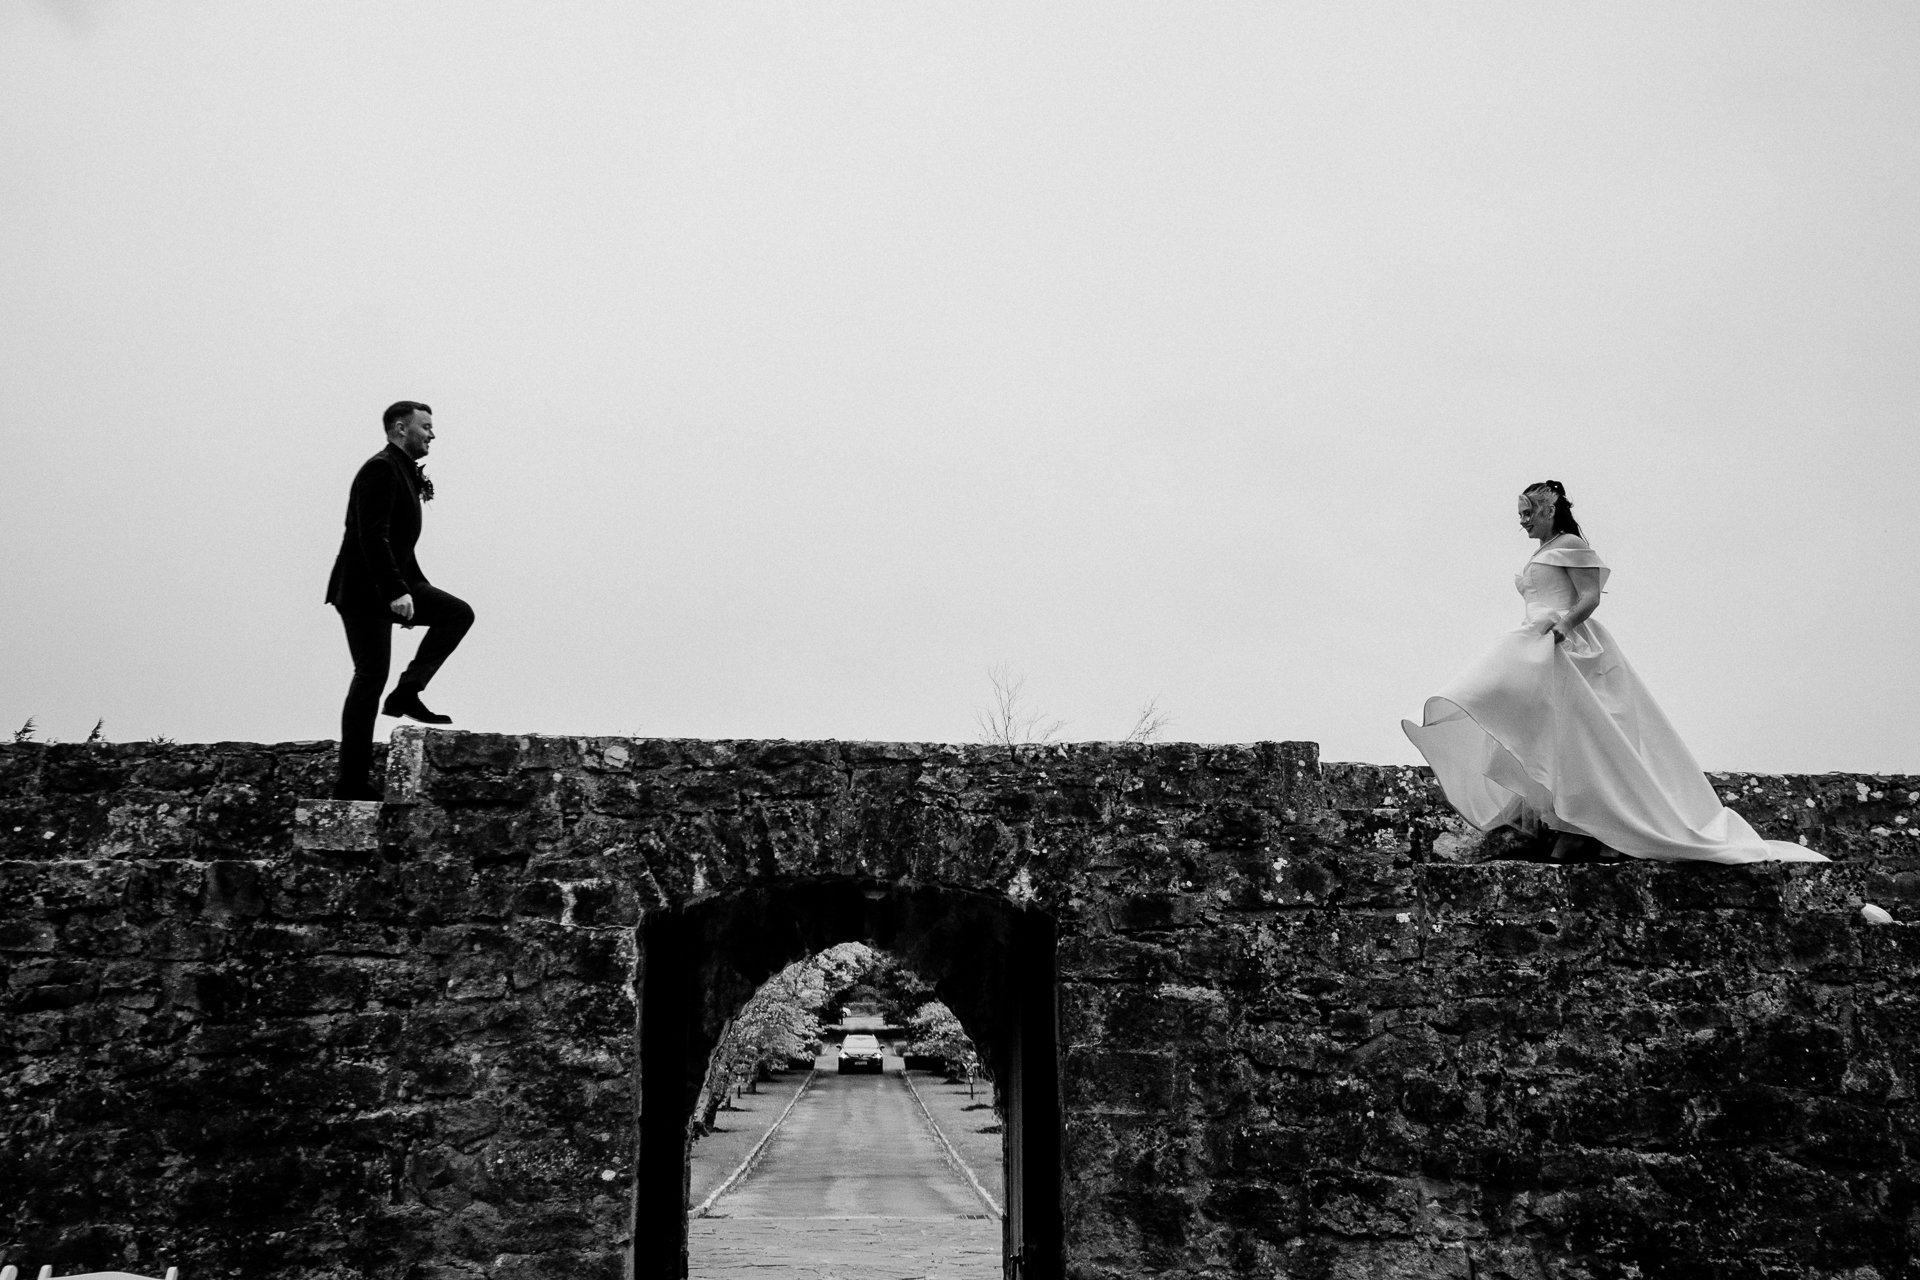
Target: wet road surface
<point>853,1186</point>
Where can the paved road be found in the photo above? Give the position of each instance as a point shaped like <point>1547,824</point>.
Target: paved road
<point>852,1186</point>
<point>853,1146</point>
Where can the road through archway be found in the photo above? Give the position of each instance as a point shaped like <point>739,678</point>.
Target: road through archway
<point>854,1183</point>
<point>991,962</point>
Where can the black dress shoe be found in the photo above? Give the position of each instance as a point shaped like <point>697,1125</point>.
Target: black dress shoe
<point>405,701</point>
<point>355,791</point>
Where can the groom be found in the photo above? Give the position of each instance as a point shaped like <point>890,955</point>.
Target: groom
<point>376,582</point>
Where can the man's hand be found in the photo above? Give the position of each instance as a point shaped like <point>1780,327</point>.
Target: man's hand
<point>404,607</point>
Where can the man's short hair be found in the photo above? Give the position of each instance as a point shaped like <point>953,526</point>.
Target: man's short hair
<point>399,411</point>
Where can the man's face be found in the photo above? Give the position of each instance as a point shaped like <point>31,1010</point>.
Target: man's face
<point>414,435</point>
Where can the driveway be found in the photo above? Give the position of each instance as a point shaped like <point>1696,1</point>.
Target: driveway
<point>852,1186</point>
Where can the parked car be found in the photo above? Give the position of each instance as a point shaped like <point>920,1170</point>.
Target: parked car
<point>861,1052</point>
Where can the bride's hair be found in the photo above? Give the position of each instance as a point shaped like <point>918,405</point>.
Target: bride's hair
<point>1563,521</point>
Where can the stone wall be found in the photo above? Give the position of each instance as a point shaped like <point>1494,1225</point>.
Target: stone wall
<point>1309,1025</point>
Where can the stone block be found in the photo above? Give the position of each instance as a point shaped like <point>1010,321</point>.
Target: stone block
<point>448,750</point>
<point>1153,911</point>
<point>233,890</point>
<point>1122,1080</point>
<point>1271,1212</point>
<point>344,826</point>
<point>34,937</point>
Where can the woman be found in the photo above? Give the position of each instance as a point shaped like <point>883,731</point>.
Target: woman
<point>1552,726</point>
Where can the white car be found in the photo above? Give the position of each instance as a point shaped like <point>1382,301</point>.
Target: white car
<point>860,1052</point>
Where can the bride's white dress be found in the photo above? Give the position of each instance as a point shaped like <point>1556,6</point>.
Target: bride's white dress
<point>1567,735</point>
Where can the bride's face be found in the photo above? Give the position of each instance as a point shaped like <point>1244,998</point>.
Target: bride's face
<point>1536,514</point>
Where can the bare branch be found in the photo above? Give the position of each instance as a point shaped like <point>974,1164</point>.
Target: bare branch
<point>1010,722</point>
<point>1150,723</point>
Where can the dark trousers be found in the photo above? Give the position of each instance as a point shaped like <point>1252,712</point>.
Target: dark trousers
<point>370,640</point>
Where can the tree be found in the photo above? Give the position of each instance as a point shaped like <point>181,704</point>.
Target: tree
<point>881,981</point>
<point>779,1022</point>
<point>773,1028</point>
<point>832,972</point>
<point>937,1033</point>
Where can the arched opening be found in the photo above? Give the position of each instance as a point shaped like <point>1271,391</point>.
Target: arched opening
<point>991,962</point>
<point>832,1137</point>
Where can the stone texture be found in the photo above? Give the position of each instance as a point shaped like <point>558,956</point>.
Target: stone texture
<point>339,825</point>
<point>1311,1025</point>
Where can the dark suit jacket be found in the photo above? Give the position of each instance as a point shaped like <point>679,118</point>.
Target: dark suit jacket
<point>376,566</point>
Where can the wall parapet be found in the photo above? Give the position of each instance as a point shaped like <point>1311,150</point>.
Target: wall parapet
<point>1310,1024</point>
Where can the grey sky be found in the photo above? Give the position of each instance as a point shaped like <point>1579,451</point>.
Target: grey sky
<point>793,364</point>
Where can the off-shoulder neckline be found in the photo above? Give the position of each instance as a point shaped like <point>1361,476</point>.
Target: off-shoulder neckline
<point>1574,543</point>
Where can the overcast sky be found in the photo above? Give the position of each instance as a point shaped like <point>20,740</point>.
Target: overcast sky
<point>793,364</point>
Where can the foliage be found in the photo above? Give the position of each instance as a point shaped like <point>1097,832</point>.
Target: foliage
<point>834,970</point>
<point>99,731</point>
<point>774,1025</point>
<point>26,731</point>
<point>781,1021</point>
<point>883,983</point>
<point>785,1018</point>
<point>938,1033</point>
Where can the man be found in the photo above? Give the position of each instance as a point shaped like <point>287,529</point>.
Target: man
<point>377,582</point>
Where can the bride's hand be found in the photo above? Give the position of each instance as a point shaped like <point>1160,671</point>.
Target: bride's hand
<point>1544,625</point>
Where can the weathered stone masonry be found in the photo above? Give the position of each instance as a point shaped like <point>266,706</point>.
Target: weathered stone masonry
<point>1308,1026</point>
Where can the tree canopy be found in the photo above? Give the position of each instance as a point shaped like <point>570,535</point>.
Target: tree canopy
<point>786,1018</point>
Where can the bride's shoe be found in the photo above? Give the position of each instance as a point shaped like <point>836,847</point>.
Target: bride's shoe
<point>1571,846</point>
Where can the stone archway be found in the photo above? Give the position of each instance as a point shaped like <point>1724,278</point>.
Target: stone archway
<point>1307,1024</point>
<point>991,962</point>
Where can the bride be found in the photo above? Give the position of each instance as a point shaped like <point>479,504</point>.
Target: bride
<point>1552,726</point>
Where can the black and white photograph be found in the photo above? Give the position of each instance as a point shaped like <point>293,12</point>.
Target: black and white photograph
<point>872,640</point>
